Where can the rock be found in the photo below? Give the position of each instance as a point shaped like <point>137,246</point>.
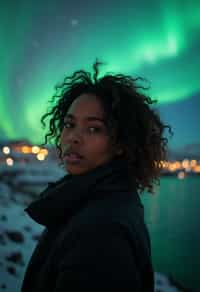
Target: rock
<point>3,286</point>
<point>174,282</point>
<point>27,228</point>
<point>15,257</point>
<point>162,284</point>
<point>36,237</point>
<point>2,240</point>
<point>15,236</point>
<point>12,270</point>
<point>3,218</point>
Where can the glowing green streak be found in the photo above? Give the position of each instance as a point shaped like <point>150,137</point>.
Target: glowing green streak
<point>12,36</point>
<point>4,114</point>
<point>133,40</point>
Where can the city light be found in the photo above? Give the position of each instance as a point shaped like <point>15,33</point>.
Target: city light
<point>40,156</point>
<point>193,163</point>
<point>6,150</point>
<point>172,167</point>
<point>197,169</point>
<point>35,149</point>
<point>186,166</point>
<point>44,151</point>
<point>26,149</point>
<point>185,163</point>
<point>178,168</point>
<point>181,175</point>
<point>9,161</point>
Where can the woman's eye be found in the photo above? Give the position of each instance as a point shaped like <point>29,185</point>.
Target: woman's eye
<point>95,129</point>
<point>67,124</point>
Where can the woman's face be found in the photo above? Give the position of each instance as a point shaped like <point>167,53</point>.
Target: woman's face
<point>86,135</point>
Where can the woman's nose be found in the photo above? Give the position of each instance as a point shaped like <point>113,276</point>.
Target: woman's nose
<point>76,136</point>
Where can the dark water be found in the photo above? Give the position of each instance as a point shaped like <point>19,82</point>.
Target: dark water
<point>173,218</point>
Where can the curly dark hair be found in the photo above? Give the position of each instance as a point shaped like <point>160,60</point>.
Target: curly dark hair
<point>140,131</point>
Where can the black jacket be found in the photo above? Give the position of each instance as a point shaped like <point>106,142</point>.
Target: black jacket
<point>95,237</point>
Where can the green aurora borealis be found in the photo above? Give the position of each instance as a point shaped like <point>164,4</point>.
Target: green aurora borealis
<point>40,43</point>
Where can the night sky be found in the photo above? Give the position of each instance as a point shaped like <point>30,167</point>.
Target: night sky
<point>43,41</point>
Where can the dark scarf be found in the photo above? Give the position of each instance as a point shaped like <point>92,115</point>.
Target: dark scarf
<point>63,199</point>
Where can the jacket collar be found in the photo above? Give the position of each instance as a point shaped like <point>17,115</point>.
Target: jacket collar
<point>63,199</point>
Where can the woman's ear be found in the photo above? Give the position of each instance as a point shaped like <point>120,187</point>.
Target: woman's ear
<point>119,150</point>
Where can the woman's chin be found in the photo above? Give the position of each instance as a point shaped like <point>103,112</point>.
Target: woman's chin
<point>74,170</point>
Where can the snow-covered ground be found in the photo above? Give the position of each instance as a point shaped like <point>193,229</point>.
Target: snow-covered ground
<point>19,233</point>
<point>18,236</point>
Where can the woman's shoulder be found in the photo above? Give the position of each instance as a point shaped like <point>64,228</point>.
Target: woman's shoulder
<point>104,227</point>
<point>112,211</point>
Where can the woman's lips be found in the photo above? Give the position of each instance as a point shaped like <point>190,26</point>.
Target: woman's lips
<point>73,158</point>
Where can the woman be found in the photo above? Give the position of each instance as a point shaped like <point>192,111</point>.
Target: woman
<point>111,144</point>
